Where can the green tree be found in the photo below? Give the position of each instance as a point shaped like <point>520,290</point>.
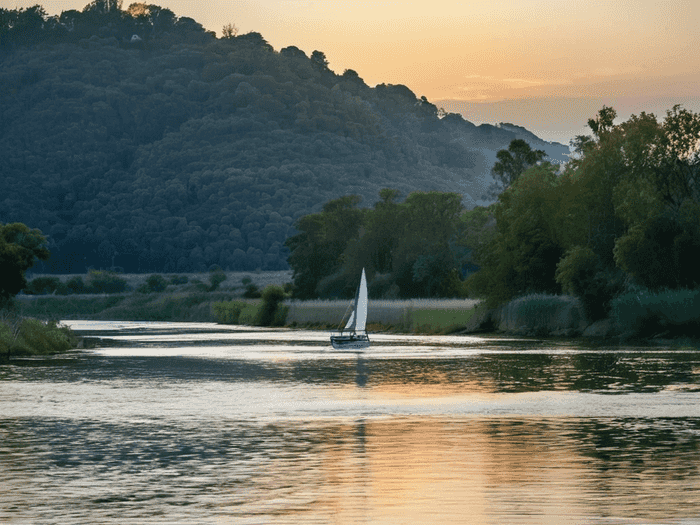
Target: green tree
<point>523,254</point>
<point>269,313</point>
<point>512,162</point>
<point>20,247</point>
<point>317,250</point>
<point>425,264</point>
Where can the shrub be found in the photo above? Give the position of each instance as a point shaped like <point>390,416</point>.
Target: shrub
<point>106,282</point>
<point>227,312</point>
<point>34,337</point>
<point>154,283</point>
<point>251,292</point>
<point>272,296</point>
<point>581,274</point>
<point>215,279</point>
<point>179,279</point>
<point>76,285</point>
<point>42,285</point>
<point>640,312</point>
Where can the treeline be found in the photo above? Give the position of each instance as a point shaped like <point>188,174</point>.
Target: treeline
<point>622,218</point>
<point>176,151</point>
<point>421,247</point>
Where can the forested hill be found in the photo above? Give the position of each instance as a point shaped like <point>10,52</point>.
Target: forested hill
<point>173,150</point>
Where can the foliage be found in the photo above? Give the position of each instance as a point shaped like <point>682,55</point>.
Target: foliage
<point>28,336</point>
<point>215,279</point>
<point>227,312</point>
<point>178,150</point>
<point>410,246</point>
<point>512,162</point>
<point>19,248</point>
<point>522,256</point>
<point>641,312</point>
<point>271,312</point>
<point>154,284</point>
<point>663,251</point>
<point>99,281</point>
<point>46,285</point>
<point>251,291</point>
<point>625,209</point>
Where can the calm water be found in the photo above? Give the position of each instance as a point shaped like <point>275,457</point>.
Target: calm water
<point>196,423</point>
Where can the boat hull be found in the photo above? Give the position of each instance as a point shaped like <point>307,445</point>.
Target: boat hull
<point>350,341</point>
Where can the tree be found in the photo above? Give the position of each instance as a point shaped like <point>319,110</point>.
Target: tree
<point>19,249</point>
<point>317,250</point>
<point>522,256</point>
<point>229,31</point>
<point>514,161</point>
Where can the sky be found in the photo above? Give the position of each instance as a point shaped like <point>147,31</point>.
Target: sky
<point>547,65</point>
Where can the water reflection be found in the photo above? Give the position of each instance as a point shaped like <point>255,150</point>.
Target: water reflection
<point>227,427</point>
<point>431,470</point>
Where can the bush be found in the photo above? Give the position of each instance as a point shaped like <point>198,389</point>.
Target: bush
<point>106,282</point>
<point>215,279</point>
<point>227,312</point>
<point>179,279</point>
<point>76,285</point>
<point>34,337</point>
<point>154,283</point>
<point>43,286</point>
<point>268,314</point>
<point>640,312</point>
<point>251,292</point>
<point>581,274</point>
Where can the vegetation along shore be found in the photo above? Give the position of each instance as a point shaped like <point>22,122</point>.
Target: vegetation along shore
<point>131,160</point>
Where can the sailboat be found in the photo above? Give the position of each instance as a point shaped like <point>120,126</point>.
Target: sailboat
<point>354,334</point>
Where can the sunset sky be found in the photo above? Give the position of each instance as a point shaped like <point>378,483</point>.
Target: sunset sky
<point>547,65</point>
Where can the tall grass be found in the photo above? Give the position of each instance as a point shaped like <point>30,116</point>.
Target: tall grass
<point>644,313</point>
<point>29,336</point>
<point>416,315</point>
<point>540,314</point>
<point>241,311</point>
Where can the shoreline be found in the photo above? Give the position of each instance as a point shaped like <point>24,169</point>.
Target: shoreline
<point>555,317</point>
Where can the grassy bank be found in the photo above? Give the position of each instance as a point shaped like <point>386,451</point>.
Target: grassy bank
<point>20,337</point>
<point>429,316</point>
<point>411,316</point>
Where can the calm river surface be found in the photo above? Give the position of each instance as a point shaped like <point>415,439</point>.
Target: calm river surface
<point>199,423</point>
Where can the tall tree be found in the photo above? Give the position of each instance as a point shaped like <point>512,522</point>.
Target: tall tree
<point>512,162</point>
<point>19,248</point>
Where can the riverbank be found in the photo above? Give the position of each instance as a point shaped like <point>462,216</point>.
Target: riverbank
<point>652,317</point>
<point>27,336</point>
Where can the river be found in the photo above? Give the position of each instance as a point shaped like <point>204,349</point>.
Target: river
<point>206,424</point>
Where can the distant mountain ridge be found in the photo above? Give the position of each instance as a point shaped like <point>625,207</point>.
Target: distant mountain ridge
<point>178,151</point>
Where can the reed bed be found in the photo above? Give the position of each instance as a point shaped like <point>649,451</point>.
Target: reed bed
<point>423,315</point>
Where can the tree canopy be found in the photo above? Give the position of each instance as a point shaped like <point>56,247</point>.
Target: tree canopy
<point>408,249</point>
<point>20,248</point>
<point>136,139</point>
<point>625,211</point>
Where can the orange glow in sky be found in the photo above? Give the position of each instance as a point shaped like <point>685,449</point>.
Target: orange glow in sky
<point>548,65</point>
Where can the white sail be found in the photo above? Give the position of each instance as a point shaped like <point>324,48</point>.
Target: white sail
<point>361,305</point>
<point>351,321</point>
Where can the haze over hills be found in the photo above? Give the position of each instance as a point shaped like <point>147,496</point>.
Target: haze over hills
<point>176,151</point>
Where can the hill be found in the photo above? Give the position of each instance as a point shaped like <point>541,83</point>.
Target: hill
<point>136,139</point>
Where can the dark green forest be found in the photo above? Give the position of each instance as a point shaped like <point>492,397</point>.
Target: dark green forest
<point>619,222</point>
<point>135,139</point>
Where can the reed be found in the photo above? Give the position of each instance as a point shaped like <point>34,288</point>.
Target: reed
<point>414,315</point>
<point>29,336</point>
<point>643,313</point>
<point>542,314</point>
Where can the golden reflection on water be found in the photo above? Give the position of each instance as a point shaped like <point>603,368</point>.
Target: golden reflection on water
<point>160,427</point>
<point>441,470</point>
